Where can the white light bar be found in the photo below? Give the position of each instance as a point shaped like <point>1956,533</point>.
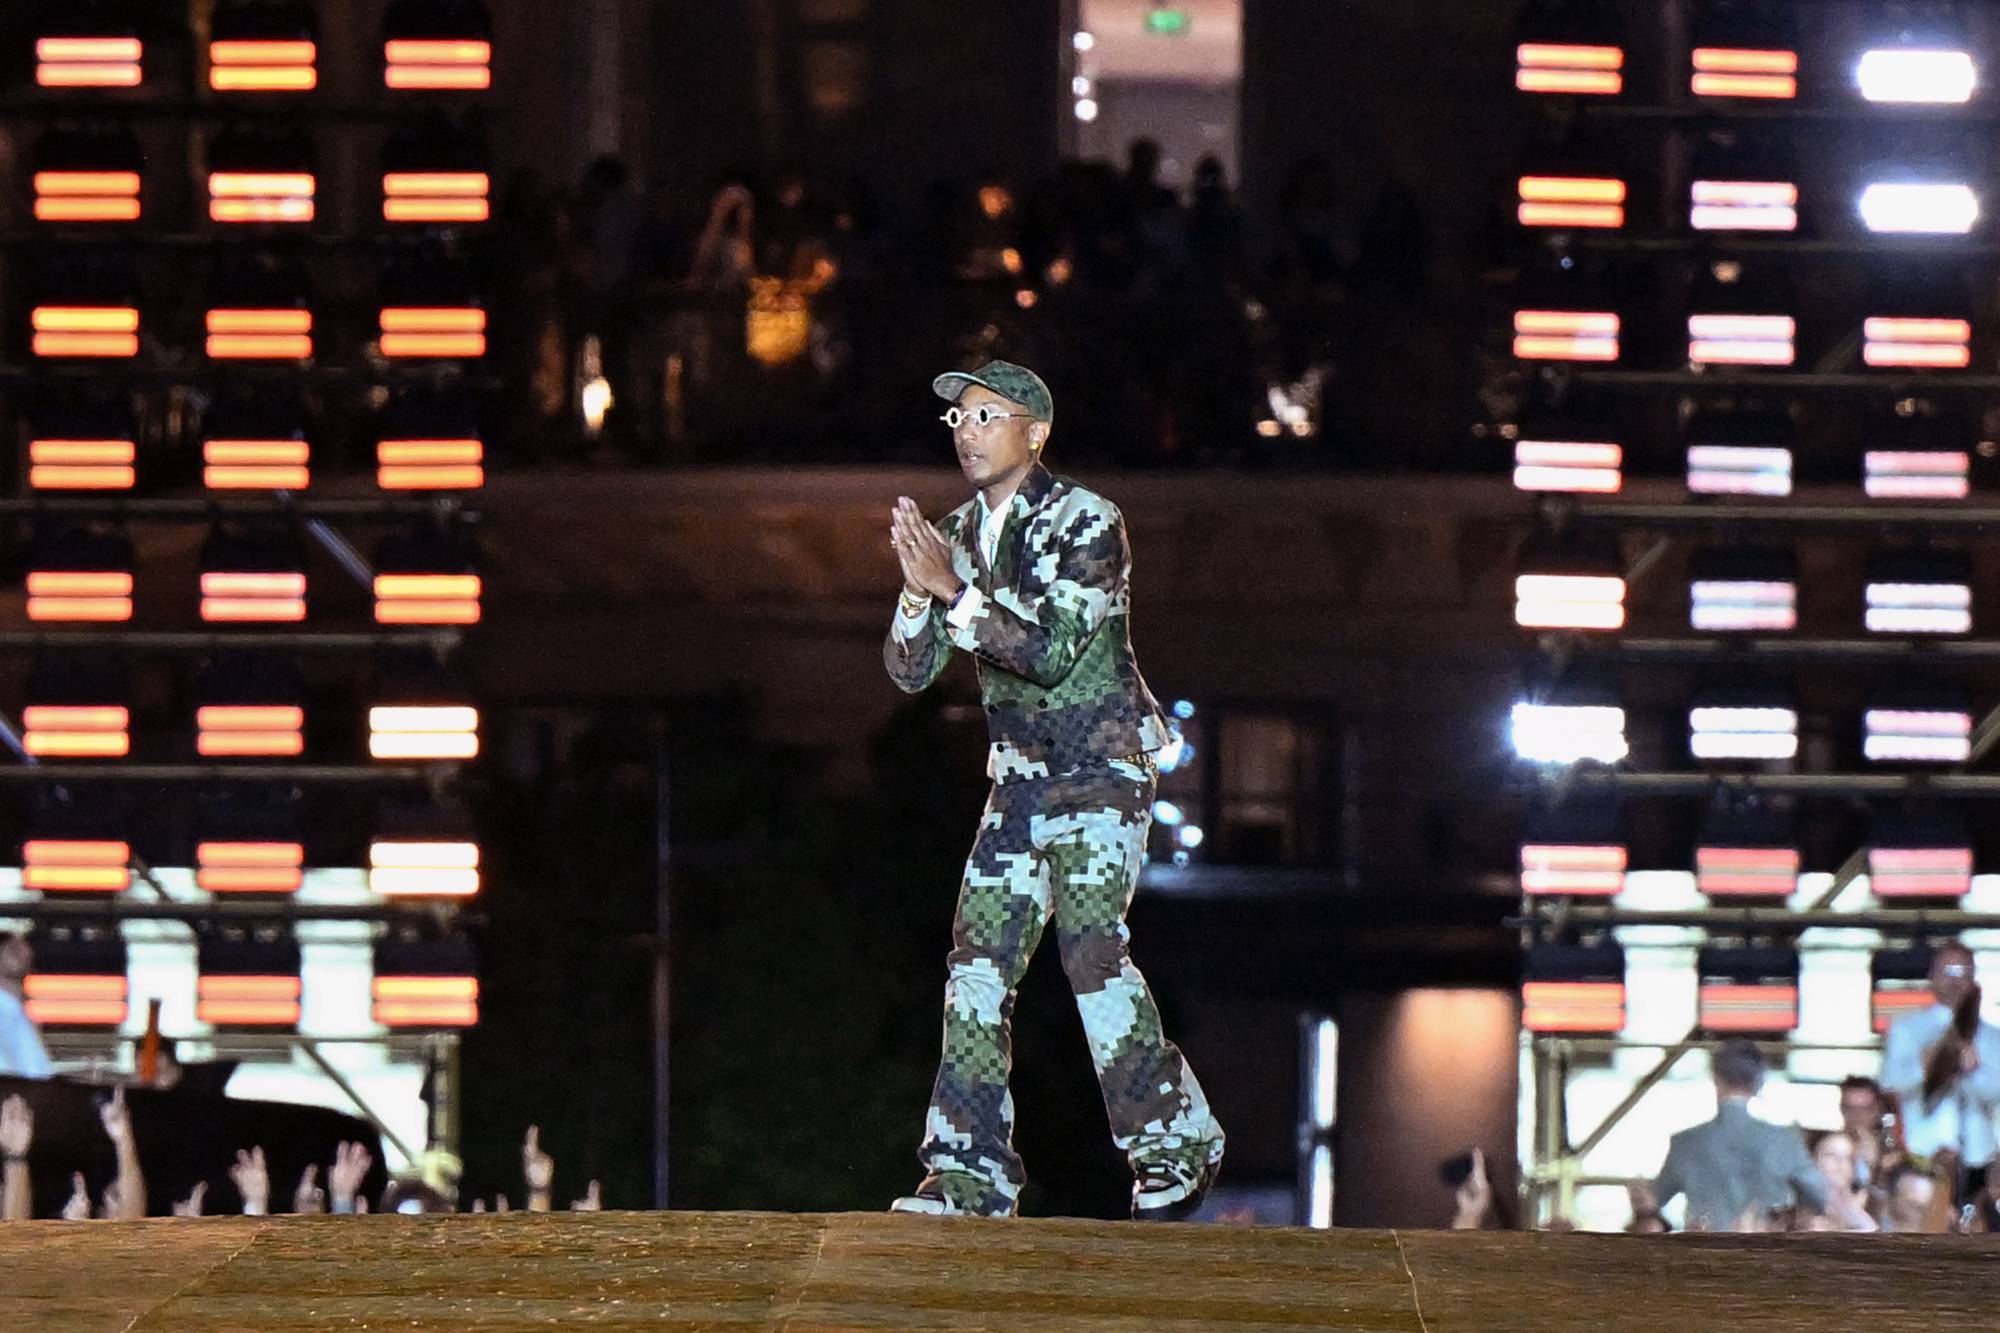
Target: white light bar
<point>1919,608</point>
<point>1902,74</point>
<point>1579,466</point>
<point>1572,869</point>
<point>1920,208</point>
<point>1569,601</point>
<point>1743,733</point>
<point>1744,206</point>
<point>1569,733</point>
<point>1736,469</point>
<point>1917,474</point>
<point>1741,340</point>
<point>1919,871</point>
<point>1762,872</point>
<point>1725,605</point>
<point>1928,735</point>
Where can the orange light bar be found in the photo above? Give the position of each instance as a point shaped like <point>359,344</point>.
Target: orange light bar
<point>76,731</point>
<point>263,66</point>
<point>1572,870</point>
<point>88,62</point>
<point>433,331</point>
<point>250,729</point>
<point>85,330</point>
<point>430,465</point>
<point>273,465</point>
<point>426,1001</point>
<point>410,869</point>
<point>436,196</point>
<point>81,465</point>
<point>1753,871</point>
<point>67,999</point>
<point>261,196</point>
<point>1748,1007</point>
<point>1573,1006</point>
<point>253,596</point>
<point>1889,1003</point>
<point>442,731</point>
<point>97,595</point>
<point>1741,340</point>
<point>1549,67</point>
<point>258,1001</point>
<point>250,867</point>
<point>86,196</point>
<point>1566,335</point>
<point>427,599</point>
<point>59,865</point>
<point>1729,72</point>
<point>238,335</point>
<point>448,65</point>
<point>1945,343</point>
<point>1571,201</point>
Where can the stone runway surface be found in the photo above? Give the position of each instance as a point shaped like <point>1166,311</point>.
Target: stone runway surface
<point>865,1271</point>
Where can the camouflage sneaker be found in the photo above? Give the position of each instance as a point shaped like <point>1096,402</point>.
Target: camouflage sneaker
<point>954,1196</point>
<point>1171,1189</point>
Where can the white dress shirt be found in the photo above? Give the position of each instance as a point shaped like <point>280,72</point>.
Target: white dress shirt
<point>960,614</point>
<point>21,1051</point>
<point>1964,1118</point>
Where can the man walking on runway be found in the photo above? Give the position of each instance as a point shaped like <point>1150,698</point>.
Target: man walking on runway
<point>1031,577</point>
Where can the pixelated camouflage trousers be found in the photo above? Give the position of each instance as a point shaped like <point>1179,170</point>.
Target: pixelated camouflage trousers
<point>1065,848</point>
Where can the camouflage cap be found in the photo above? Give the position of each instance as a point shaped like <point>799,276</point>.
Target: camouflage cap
<point>1017,384</point>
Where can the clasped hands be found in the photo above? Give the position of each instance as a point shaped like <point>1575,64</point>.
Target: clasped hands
<point>923,553</point>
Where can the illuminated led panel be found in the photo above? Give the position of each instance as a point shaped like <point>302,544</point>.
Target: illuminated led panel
<point>1572,869</point>
<point>87,196</point>
<point>249,867</point>
<point>1917,474</point>
<point>1726,469</point>
<point>1928,208</point>
<point>1751,872</point>
<point>1915,732</point>
<point>1573,1006</point>
<point>89,61</point>
<point>1743,1006</point>
<point>1722,729</point>
<point>1731,205</point>
<point>277,465</point>
<point>1566,335</point>
<point>249,729</point>
<point>433,331</point>
<point>1721,71</point>
<point>1741,340</point>
<point>100,595</point>
<point>81,465</point>
<point>1562,733</point>
<point>77,731</point>
<point>427,599</point>
<point>1929,343</point>
<point>1922,593</point>
<point>1572,201</point>
<point>429,465</point>
<point>76,865</point>
<point>263,66</point>
<point>1569,601</point>
<point>267,335</point>
<point>436,196</point>
<point>1559,67</point>
<point>1937,75</point>
<point>426,1002</point>
<point>69,999</point>
<point>416,868</point>
<point>234,1000</point>
<point>1899,984</point>
<point>423,731</point>
<point>1920,872</point>
<point>1575,466</point>
<point>241,595</point>
<point>261,196</point>
<point>85,331</point>
<point>439,64</point>
<point>1736,591</point>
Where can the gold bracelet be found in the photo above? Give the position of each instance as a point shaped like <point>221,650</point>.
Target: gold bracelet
<point>914,605</point>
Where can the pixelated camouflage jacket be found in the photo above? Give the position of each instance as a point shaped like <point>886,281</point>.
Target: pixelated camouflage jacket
<point>1051,636</point>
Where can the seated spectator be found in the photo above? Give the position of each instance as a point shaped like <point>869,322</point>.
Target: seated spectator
<point>1735,1166</point>
<point>21,1049</point>
<point>1846,1207</point>
<point>1912,1201</point>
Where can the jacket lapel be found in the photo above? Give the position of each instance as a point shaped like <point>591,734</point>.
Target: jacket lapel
<point>1027,498</point>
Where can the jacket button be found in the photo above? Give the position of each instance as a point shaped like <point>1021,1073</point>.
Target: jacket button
<point>1041,703</point>
<point>993,708</point>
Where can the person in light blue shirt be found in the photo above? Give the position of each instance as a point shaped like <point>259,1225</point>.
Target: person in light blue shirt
<point>21,1049</point>
<point>1961,1120</point>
